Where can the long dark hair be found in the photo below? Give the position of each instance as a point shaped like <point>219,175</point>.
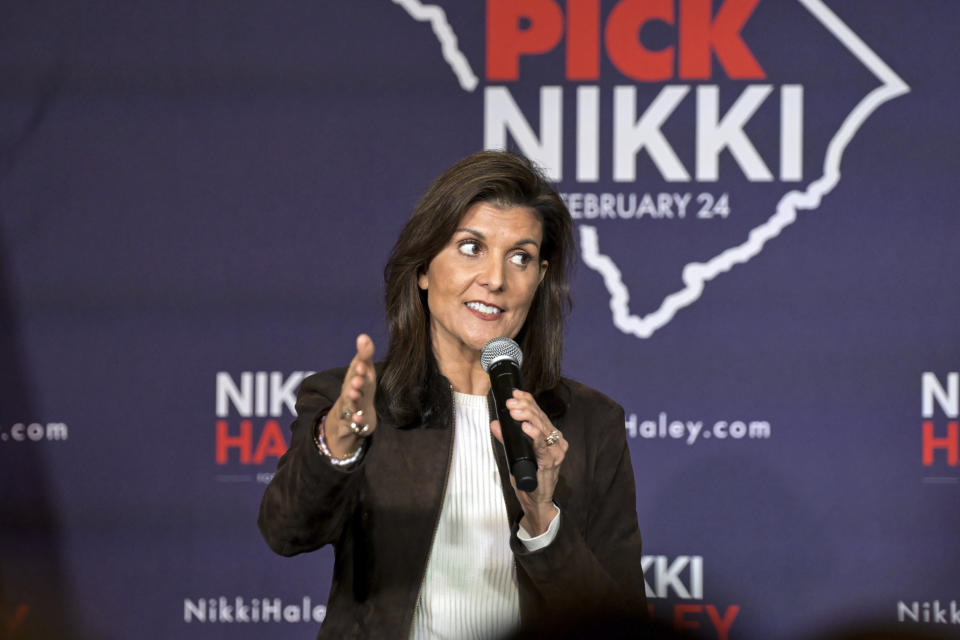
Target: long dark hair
<point>411,389</point>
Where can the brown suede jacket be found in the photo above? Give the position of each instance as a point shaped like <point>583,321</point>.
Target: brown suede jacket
<point>382,513</point>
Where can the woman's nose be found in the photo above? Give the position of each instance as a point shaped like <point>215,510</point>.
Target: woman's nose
<point>492,274</point>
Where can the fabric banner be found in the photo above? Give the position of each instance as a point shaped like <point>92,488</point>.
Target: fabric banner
<point>197,201</point>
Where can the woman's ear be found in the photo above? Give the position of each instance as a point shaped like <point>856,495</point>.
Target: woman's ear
<point>543,270</point>
<point>423,281</point>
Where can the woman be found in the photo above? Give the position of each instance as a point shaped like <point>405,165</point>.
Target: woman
<point>394,464</point>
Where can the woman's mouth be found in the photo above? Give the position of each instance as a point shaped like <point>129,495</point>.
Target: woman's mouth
<point>485,311</point>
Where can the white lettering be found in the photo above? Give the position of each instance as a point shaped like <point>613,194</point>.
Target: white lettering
<point>904,611</point>
<point>676,429</point>
<point>607,201</point>
<point>501,114</point>
<point>243,611</point>
<point>696,577</point>
<point>260,410</point>
<point>929,612</point>
<point>939,613</point>
<point>241,397</point>
<point>948,399</point>
<point>35,432</point>
<point>682,201</point>
<point>631,135</point>
<point>646,207</point>
<point>574,204</point>
<point>667,576</point>
<point>56,431</point>
<point>715,134</point>
<point>648,429</point>
<point>791,132</point>
<point>226,611</point>
<point>634,131</point>
<point>271,608</point>
<point>194,610</point>
<point>591,206</point>
<point>588,134</point>
<point>737,429</point>
<point>237,610</point>
<point>759,429</point>
<point>692,430</point>
<point>283,393</point>
<point>259,393</point>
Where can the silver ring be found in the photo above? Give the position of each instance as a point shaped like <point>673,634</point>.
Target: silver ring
<point>553,438</point>
<point>361,430</point>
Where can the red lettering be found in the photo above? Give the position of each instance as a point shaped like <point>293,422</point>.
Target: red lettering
<point>271,442</point>
<point>583,39</point>
<point>950,443</point>
<point>622,37</point>
<point>531,27</point>
<point>680,610</point>
<point>243,442</point>
<point>699,36</point>
<point>506,41</point>
<point>723,624</point>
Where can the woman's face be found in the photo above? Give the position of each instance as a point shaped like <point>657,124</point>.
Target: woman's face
<point>481,284</point>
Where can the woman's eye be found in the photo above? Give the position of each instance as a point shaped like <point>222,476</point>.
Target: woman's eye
<point>469,248</point>
<point>521,259</point>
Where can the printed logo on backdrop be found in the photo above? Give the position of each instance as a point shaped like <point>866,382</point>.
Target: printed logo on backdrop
<point>241,610</point>
<point>25,433</point>
<point>691,431</point>
<point>677,129</point>
<point>939,432</point>
<point>253,409</point>
<point>674,588</point>
<point>929,612</point>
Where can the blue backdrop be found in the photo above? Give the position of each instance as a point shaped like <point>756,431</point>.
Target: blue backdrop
<point>197,199</point>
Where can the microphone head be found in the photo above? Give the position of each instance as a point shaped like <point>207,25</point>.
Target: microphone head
<point>502,348</point>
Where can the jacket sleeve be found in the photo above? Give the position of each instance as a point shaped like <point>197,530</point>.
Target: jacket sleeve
<point>594,565</point>
<point>309,500</point>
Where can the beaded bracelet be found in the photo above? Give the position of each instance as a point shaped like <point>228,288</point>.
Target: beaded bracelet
<point>321,442</point>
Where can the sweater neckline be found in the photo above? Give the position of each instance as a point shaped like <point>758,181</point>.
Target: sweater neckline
<point>469,401</point>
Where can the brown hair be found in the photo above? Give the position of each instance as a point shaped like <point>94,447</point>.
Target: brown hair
<point>411,388</point>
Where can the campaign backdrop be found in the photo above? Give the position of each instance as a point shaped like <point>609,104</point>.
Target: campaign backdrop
<point>197,200</point>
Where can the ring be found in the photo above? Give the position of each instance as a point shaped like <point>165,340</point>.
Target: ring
<point>553,438</point>
<point>346,414</point>
<point>361,430</point>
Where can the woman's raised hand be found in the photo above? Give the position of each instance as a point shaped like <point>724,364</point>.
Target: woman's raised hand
<point>355,404</point>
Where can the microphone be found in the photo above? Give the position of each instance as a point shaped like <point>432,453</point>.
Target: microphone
<point>501,359</point>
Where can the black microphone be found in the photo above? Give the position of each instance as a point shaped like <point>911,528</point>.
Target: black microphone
<point>501,359</point>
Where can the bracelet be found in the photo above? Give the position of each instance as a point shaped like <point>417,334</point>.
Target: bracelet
<point>321,442</point>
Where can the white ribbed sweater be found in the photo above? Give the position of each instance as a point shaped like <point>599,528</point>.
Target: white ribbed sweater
<point>470,586</point>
